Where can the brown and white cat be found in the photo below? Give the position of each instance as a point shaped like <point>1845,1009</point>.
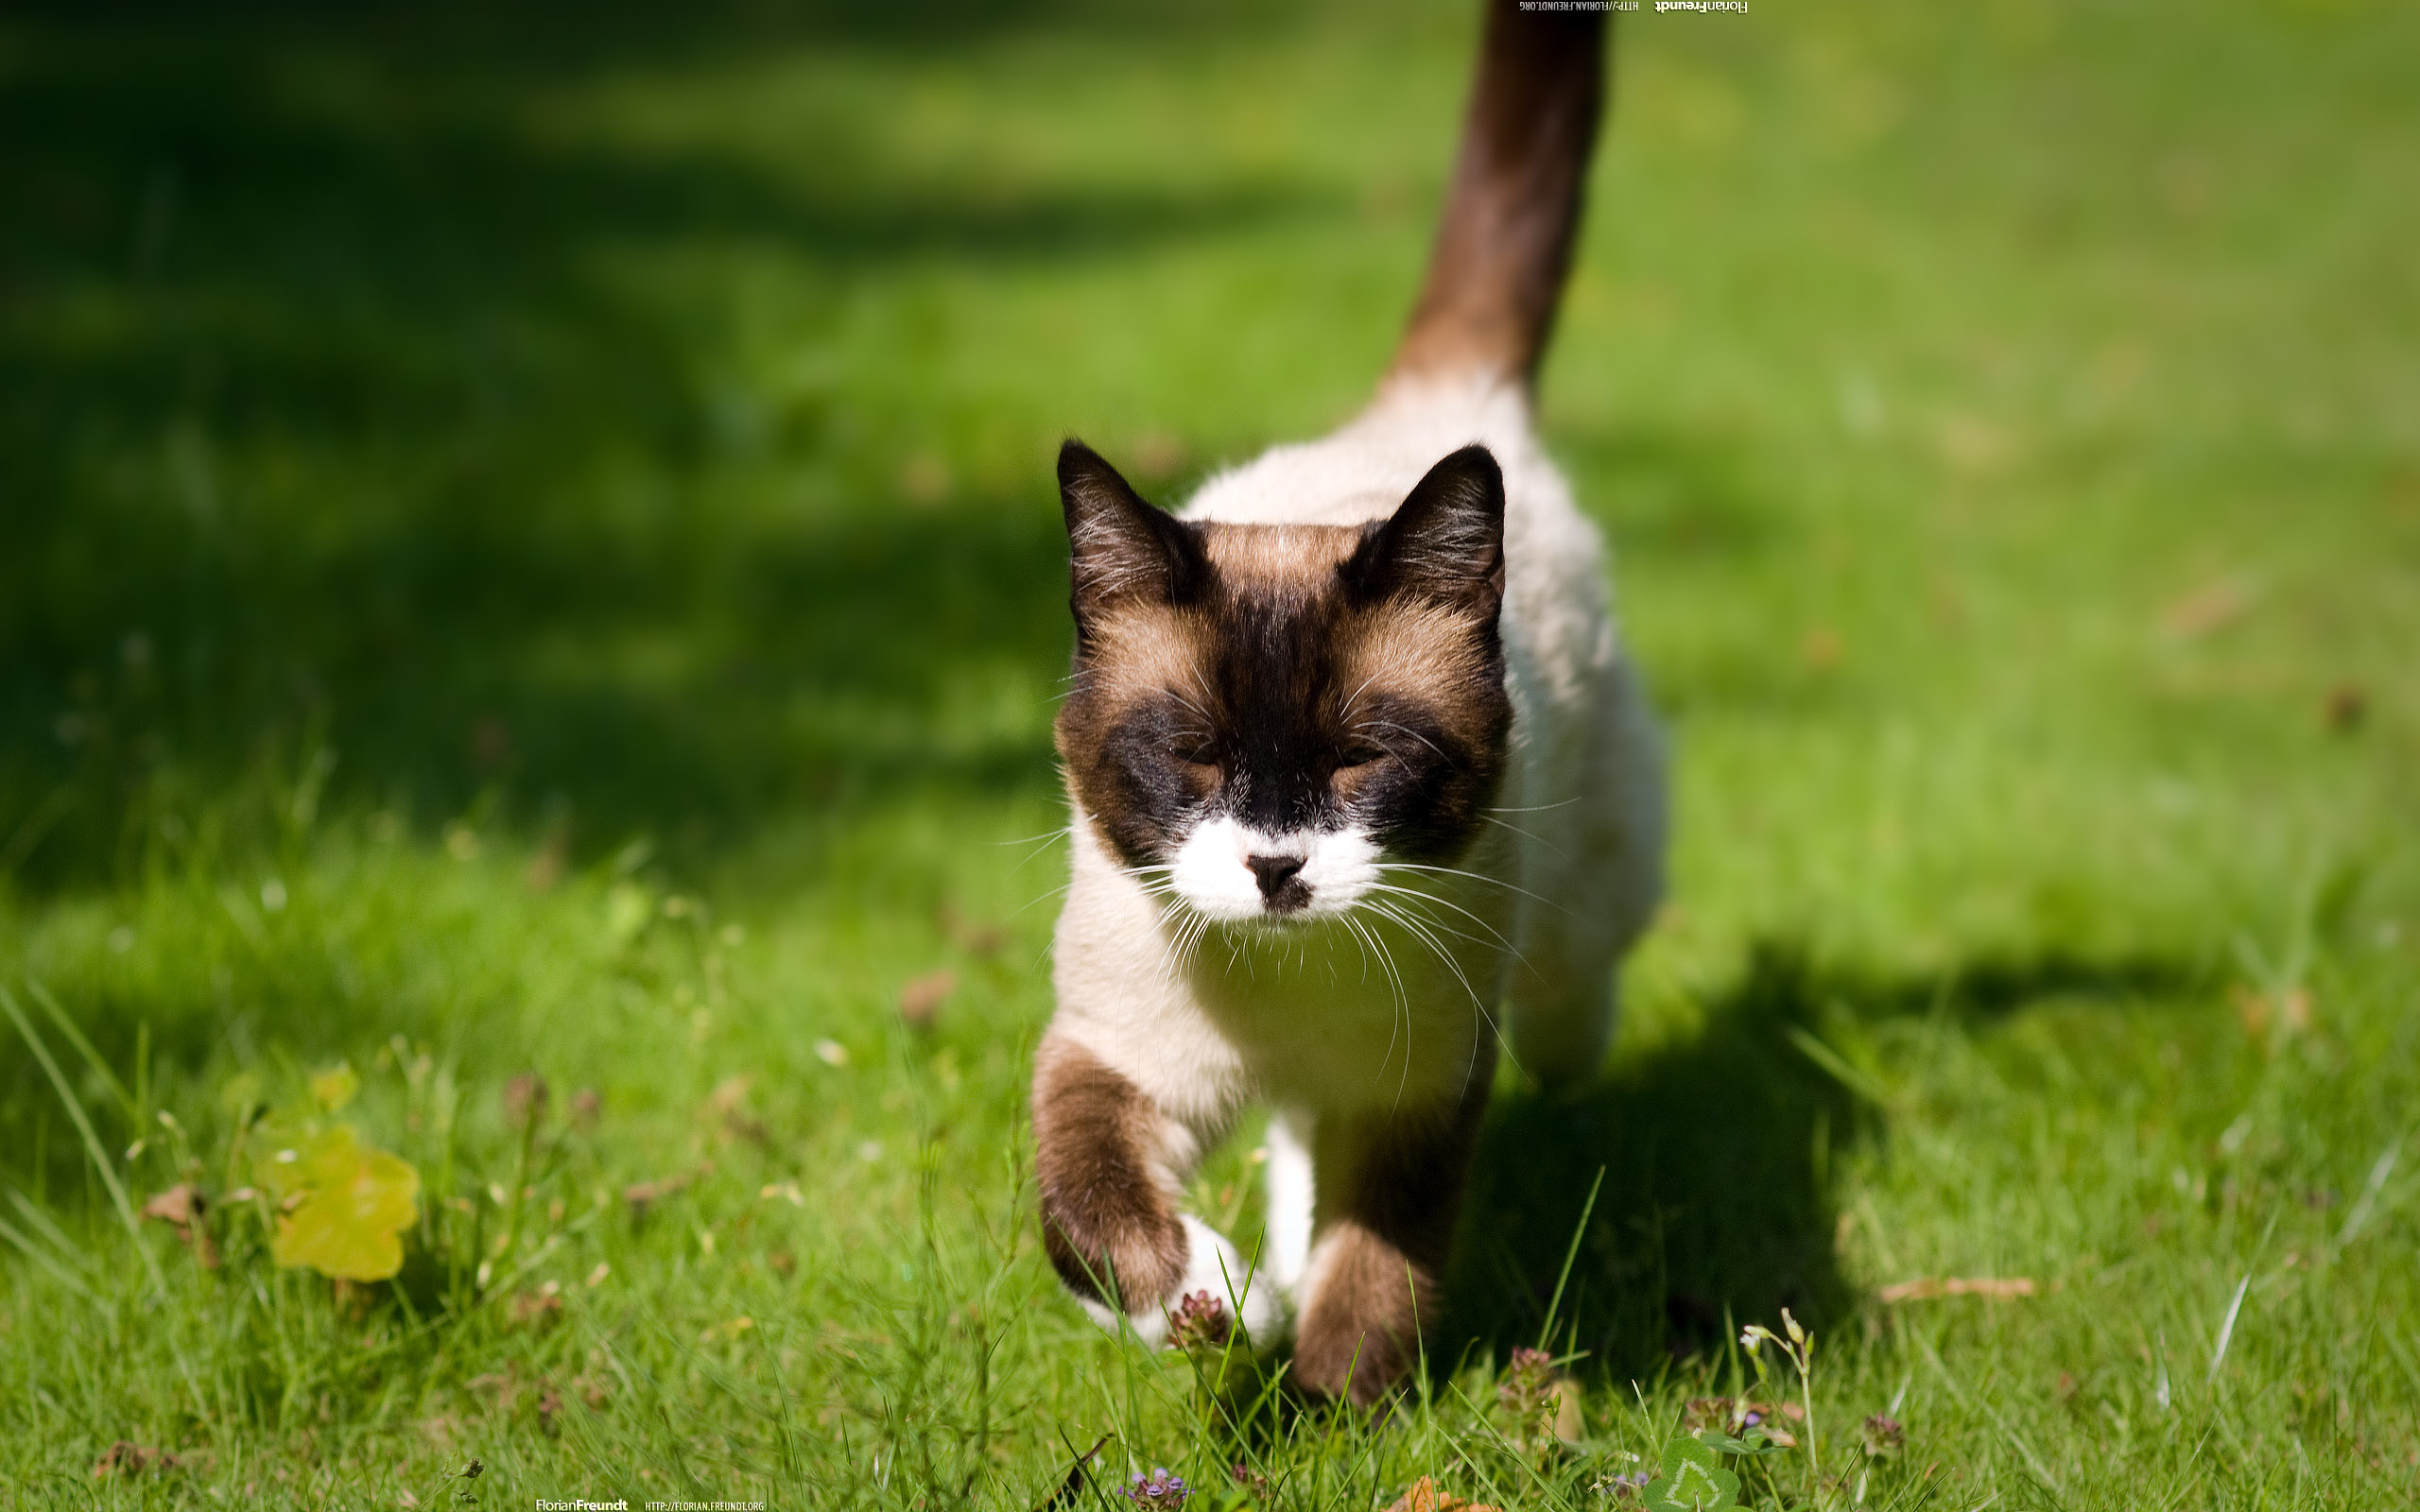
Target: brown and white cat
<point>1302,709</point>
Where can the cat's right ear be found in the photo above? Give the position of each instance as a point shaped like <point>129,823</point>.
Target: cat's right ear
<point>1121,548</point>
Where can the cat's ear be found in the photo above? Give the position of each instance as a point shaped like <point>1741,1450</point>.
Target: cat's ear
<point>1444,542</point>
<point>1121,548</point>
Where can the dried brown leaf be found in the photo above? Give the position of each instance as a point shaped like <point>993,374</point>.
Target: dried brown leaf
<point>1926,1288</point>
<point>921,1000</point>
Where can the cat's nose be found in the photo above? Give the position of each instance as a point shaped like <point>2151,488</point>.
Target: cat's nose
<point>1273,871</point>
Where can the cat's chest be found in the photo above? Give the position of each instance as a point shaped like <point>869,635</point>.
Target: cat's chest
<point>1352,1016</point>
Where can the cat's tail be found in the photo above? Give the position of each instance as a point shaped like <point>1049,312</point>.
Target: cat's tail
<point>1505,244</point>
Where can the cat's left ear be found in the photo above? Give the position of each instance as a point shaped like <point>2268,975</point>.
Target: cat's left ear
<point>1444,542</point>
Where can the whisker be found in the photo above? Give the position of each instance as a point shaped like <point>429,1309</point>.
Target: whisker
<point>1477,876</point>
<point>1530,836</point>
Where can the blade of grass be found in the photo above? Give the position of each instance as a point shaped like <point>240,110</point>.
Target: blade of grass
<point>42,1258</point>
<point>92,1057</point>
<point>2226,1327</point>
<point>91,1140</point>
<point>2032,1461</point>
<point>42,1224</point>
<point>1570,1253</point>
<point>2381,1169</point>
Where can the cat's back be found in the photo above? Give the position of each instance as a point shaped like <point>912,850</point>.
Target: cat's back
<point>1556,620</point>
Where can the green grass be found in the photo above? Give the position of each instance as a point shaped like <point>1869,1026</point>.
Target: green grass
<point>529,546</point>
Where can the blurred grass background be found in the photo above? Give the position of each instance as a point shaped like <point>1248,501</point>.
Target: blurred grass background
<point>530,544</point>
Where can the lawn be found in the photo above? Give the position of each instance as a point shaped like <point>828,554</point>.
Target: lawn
<point>529,551</point>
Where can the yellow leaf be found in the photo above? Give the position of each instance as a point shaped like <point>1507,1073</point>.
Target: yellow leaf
<point>354,1203</point>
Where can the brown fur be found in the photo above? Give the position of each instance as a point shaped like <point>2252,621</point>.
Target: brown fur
<point>1194,641</point>
<point>1385,1234</point>
<point>1513,210</point>
<point>1108,1223</point>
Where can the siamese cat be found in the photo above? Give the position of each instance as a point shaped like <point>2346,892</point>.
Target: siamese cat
<point>1363,787</point>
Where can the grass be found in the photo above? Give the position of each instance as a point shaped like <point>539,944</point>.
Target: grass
<point>530,549</point>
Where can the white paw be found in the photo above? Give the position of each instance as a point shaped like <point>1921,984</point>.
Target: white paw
<point>1211,1265</point>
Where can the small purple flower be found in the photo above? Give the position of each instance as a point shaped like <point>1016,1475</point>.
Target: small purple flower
<point>1527,1381</point>
<point>1199,1321</point>
<point>1623,1487</point>
<point>1884,1437</point>
<point>1160,1490</point>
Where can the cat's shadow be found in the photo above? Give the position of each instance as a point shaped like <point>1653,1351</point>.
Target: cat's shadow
<point>1716,1207</point>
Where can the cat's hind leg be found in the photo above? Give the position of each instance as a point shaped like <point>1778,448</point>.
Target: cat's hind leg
<point>1593,863</point>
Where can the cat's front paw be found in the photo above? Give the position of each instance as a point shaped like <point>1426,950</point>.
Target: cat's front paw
<point>1218,1289</point>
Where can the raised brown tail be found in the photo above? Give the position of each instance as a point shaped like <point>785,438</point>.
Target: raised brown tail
<point>1505,244</point>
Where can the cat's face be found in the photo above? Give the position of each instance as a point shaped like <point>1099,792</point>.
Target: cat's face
<point>1264,716</point>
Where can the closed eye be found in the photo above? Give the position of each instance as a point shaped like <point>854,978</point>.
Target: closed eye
<point>1359,755</point>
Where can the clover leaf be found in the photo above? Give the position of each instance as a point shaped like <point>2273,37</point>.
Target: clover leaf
<point>345,1205</point>
<point>1693,1480</point>
<point>1754,1441</point>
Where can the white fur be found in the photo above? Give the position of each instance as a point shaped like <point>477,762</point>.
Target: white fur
<point>1382,992</point>
<point>1289,1203</point>
<point>1211,1265</point>
<point>1209,872</point>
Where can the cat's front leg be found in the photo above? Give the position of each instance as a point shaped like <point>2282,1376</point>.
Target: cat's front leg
<point>1389,1186</point>
<point>1110,1166</point>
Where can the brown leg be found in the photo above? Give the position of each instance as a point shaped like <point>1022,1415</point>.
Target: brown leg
<point>1109,1217</point>
<point>1389,1188</point>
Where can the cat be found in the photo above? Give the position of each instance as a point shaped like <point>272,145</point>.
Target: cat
<point>1359,775</point>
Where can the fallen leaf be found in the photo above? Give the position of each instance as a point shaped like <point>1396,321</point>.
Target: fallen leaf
<point>644,1194</point>
<point>345,1206</point>
<point>975,939</point>
<point>128,1458</point>
<point>182,1205</point>
<point>179,1205</point>
<point>524,1099</point>
<point>1925,1288</point>
<point>1423,1496</point>
<point>921,1000</point>
<point>729,1092</point>
<point>2347,706</point>
<point>2212,606</point>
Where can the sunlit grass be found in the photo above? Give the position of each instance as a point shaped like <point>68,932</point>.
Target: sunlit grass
<point>531,550</point>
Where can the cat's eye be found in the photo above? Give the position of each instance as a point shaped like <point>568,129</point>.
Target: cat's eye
<point>1195,756</point>
<point>1359,755</point>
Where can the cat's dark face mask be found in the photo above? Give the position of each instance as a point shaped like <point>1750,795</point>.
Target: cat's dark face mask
<point>1265,717</point>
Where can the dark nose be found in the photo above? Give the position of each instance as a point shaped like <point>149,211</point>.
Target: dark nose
<point>1273,871</point>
